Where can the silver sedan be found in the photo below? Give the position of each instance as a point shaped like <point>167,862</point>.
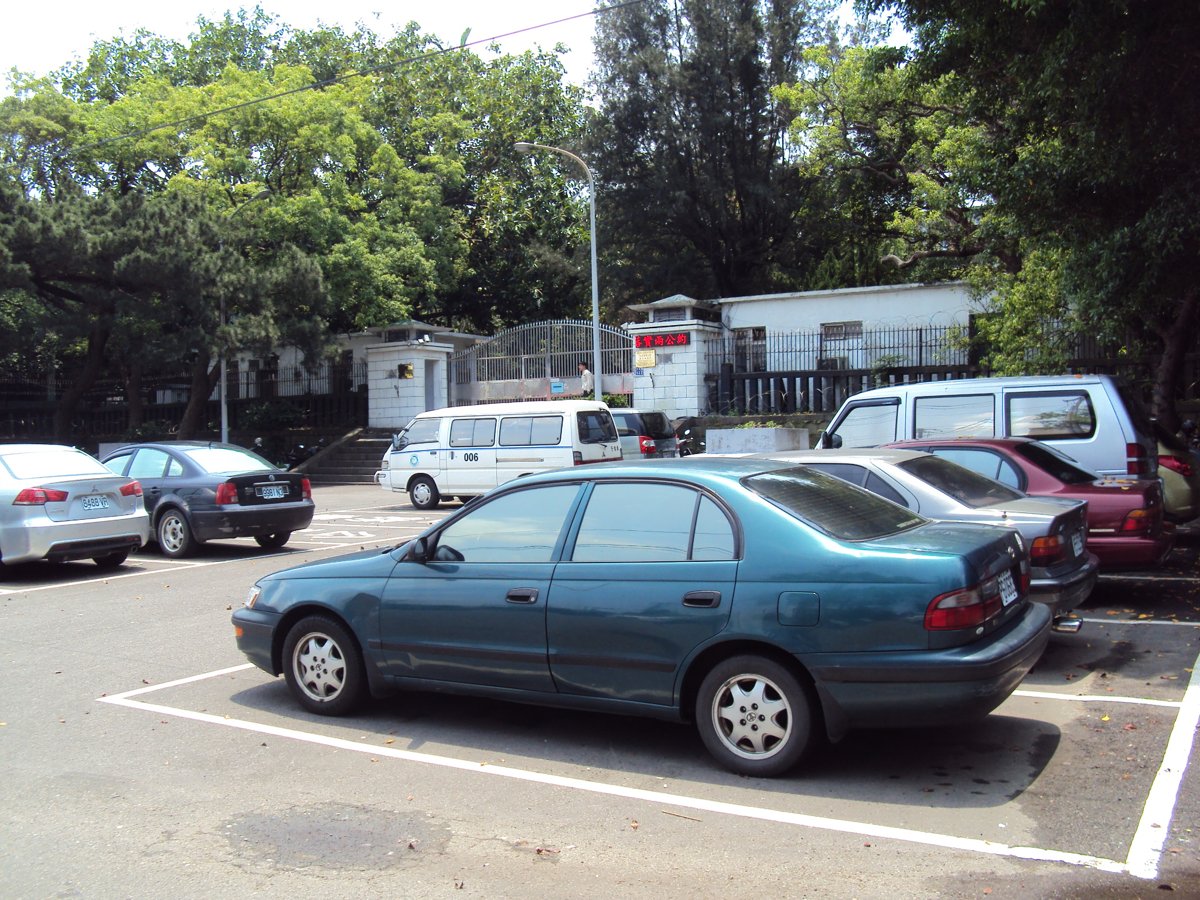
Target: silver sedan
<point>58,503</point>
<point>1055,530</point>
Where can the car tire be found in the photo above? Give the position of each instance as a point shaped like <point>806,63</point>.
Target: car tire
<point>323,666</point>
<point>111,560</point>
<point>423,493</point>
<point>754,716</point>
<point>273,541</point>
<point>174,535</point>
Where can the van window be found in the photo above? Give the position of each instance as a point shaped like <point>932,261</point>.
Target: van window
<point>596,427</point>
<point>869,425</point>
<point>1060,415</point>
<point>527,431</point>
<point>973,415</point>
<point>419,431</point>
<point>472,432</point>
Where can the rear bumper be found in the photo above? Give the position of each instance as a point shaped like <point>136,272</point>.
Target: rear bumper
<point>1122,552</point>
<point>932,687</point>
<point>251,521</point>
<point>81,539</point>
<point>1064,593</point>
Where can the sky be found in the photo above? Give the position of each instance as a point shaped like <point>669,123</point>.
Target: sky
<point>39,37</point>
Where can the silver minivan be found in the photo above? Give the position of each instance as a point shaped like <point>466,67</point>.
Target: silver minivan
<point>1095,419</point>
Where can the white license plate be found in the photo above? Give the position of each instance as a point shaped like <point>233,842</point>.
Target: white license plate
<point>273,491</point>
<point>1077,543</point>
<point>1008,588</point>
<point>94,501</point>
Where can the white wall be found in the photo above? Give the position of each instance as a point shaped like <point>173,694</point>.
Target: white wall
<point>876,307</point>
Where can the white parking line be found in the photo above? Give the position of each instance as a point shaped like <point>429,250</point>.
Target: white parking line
<point>1143,860</point>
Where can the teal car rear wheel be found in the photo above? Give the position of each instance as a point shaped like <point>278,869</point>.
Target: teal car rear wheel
<point>754,716</point>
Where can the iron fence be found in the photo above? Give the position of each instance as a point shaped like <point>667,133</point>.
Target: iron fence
<point>332,394</point>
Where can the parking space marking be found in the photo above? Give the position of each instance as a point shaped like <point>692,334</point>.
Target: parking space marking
<point>1097,698</point>
<point>1145,852</point>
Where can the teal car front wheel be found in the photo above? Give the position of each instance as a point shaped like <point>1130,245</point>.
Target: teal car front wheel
<point>323,666</point>
<point>754,716</point>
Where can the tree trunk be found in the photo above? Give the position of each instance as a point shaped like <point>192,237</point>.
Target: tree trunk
<point>1168,375</point>
<point>135,402</point>
<point>204,379</point>
<point>93,363</point>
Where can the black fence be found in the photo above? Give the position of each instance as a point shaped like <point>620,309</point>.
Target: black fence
<point>331,397</point>
<point>814,372</point>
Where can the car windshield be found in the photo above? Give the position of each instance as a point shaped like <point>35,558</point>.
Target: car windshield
<point>226,460</point>
<point>967,487</point>
<point>46,462</point>
<point>1057,464</point>
<point>835,507</point>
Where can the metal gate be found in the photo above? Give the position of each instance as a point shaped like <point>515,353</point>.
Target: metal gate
<point>540,361</point>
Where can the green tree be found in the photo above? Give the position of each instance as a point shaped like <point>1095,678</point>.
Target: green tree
<point>1094,123</point>
<point>700,193</point>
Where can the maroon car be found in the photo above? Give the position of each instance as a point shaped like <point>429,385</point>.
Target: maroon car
<point>1125,516</point>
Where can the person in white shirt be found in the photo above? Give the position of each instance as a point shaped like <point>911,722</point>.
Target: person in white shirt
<point>587,385</point>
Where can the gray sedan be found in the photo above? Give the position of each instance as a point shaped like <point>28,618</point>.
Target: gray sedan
<point>58,503</point>
<point>1055,530</point>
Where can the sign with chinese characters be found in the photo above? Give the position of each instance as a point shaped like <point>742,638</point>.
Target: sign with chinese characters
<point>644,359</point>
<point>669,339</point>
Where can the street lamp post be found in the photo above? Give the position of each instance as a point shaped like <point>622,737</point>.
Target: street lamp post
<point>223,390</point>
<point>597,370</point>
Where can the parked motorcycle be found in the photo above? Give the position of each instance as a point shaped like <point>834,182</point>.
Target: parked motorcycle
<point>687,443</point>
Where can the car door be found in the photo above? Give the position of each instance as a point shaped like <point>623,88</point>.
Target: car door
<point>471,459</point>
<point>475,613</point>
<point>650,577</point>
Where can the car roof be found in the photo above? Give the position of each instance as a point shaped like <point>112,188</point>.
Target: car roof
<point>35,448</point>
<point>950,439</point>
<point>849,454</point>
<point>700,467</point>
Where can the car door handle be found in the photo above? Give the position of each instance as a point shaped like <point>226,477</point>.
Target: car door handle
<point>702,599</point>
<point>522,595</point>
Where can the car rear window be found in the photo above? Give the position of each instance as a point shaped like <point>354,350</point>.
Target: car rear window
<point>1057,464</point>
<point>654,424</point>
<point>835,507</point>
<point>226,461</point>
<point>50,463</point>
<point>967,487</point>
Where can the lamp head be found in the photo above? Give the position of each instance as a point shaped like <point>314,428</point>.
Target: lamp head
<point>523,147</point>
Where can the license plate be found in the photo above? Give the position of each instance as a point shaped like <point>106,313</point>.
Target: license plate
<point>273,491</point>
<point>1077,543</point>
<point>94,501</point>
<point>1008,588</point>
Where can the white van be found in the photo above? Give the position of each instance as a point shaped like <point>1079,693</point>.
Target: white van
<point>1095,419</point>
<point>464,451</point>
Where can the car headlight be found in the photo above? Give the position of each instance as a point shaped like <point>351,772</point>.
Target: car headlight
<point>252,597</point>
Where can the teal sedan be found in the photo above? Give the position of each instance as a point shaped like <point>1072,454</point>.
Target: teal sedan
<point>772,605</point>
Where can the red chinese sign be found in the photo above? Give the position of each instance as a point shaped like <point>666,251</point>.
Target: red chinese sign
<point>674,339</point>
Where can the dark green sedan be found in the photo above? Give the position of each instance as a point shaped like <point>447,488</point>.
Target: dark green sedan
<point>772,605</point>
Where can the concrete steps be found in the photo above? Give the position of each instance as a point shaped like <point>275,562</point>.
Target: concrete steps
<point>354,461</point>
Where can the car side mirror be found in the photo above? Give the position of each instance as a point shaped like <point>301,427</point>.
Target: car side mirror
<point>397,444</point>
<point>827,441</point>
<point>418,551</point>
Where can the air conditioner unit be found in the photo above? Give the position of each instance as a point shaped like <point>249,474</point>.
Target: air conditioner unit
<point>832,362</point>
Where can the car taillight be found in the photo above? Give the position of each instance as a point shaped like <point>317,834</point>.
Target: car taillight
<point>227,493</point>
<point>964,608</point>
<point>646,445</point>
<point>133,489</point>
<point>1138,521</point>
<point>576,458</point>
<point>39,497</point>
<point>1136,462</point>
<point>1047,550</point>
<point>306,488</point>
<point>1177,464</point>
